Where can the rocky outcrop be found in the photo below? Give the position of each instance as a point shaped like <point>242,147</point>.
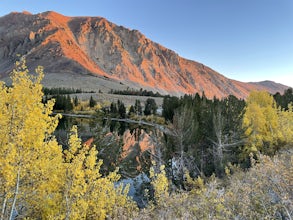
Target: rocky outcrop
<point>93,45</point>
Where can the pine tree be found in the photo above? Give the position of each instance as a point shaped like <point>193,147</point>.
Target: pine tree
<point>131,110</point>
<point>121,109</point>
<point>137,107</point>
<point>169,106</point>
<point>150,107</point>
<point>68,104</point>
<point>113,109</point>
<point>92,102</point>
<point>75,101</point>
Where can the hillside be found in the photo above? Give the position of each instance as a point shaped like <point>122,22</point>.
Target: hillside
<point>93,53</point>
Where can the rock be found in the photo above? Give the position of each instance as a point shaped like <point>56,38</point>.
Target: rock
<point>32,36</point>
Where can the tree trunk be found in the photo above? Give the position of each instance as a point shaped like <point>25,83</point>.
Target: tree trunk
<point>3,208</point>
<point>15,195</point>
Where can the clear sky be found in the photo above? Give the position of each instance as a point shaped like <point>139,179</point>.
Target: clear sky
<point>246,40</point>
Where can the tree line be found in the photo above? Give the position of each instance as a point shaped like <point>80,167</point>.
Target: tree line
<point>65,103</point>
<point>63,91</point>
<point>140,92</point>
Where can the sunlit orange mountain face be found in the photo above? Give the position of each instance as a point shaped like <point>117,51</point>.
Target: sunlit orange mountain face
<point>90,48</point>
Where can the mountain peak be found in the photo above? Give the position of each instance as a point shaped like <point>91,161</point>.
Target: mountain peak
<point>54,16</point>
<point>26,13</point>
<point>23,12</point>
<point>93,45</point>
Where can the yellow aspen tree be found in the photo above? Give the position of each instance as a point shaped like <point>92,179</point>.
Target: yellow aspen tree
<point>87,194</point>
<point>30,158</point>
<point>286,125</point>
<point>160,184</point>
<point>36,180</point>
<point>261,123</point>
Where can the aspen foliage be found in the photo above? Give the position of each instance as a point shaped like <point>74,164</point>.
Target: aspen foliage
<point>160,184</point>
<point>87,194</point>
<point>286,124</point>
<point>266,127</point>
<point>194,185</point>
<point>28,181</point>
<point>38,181</point>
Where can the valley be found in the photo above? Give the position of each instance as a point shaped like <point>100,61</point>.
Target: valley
<point>99,122</point>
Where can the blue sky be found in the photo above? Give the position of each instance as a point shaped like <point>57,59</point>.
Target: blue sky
<point>247,40</point>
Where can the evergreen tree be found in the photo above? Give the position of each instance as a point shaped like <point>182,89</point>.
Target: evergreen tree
<point>92,102</point>
<point>63,103</point>
<point>150,107</point>
<point>121,109</point>
<point>227,132</point>
<point>284,100</point>
<point>137,107</point>
<point>169,105</point>
<point>131,110</point>
<point>68,104</point>
<point>75,101</point>
<point>113,109</point>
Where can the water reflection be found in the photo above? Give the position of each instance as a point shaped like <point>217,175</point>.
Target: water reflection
<point>86,128</point>
<point>120,144</point>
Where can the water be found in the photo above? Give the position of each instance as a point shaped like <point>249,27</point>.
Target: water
<point>86,128</point>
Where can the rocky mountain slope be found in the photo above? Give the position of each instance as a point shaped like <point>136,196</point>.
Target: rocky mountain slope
<point>95,53</point>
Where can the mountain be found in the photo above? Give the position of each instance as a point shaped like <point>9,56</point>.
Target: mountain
<point>94,53</point>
